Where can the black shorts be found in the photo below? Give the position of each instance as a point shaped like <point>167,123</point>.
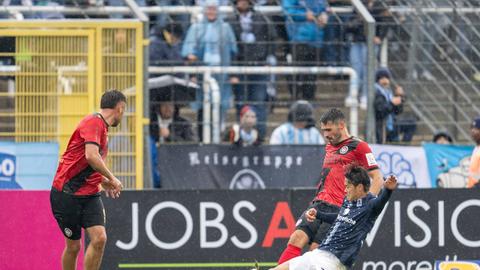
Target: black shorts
<point>316,230</point>
<point>75,212</point>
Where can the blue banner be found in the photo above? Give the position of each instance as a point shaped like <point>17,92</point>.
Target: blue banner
<point>29,166</point>
<point>448,164</point>
<point>8,166</point>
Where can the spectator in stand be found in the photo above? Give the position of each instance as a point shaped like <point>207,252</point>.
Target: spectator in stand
<point>335,52</point>
<point>358,44</point>
<point>165,45</point>
<point>201,3</point>
<point>219,2</point>
<point>245,133</point>
<point>387,106</point>
<point>183,20</point>
<point>282,48</point>
<point>405,124</point>
<point>255,38</point>
<point>305,20</point>
<point>17,15</point>
<point>383,17</point>
<point>442,137</point>
<point>300,128</point>
<point>277,21</point>
<point>51,15</point>
<point>166,126</point>
<point>211,42</point>
<point>123,42</point>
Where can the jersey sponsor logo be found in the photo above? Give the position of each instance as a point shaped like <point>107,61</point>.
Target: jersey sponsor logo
<point>346,220</point>
<point>343,150</point>
<point>68,232</point>
<point>371,159</point>
<point>346,211</point>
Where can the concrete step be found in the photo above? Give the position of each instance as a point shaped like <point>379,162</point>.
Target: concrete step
<point>330,93</point>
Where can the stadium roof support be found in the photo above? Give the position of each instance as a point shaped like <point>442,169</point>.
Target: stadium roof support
<point>371,63</point>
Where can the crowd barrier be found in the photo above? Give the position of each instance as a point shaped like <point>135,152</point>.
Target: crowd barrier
<point>231,167</point>
<point>231,229</point>
<point>215,229</point>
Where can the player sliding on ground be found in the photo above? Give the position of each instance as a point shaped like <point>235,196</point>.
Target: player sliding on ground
<point>356,218</point>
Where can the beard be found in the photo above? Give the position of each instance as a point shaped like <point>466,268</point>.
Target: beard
<point>335,139</point>
<point>115,123</point>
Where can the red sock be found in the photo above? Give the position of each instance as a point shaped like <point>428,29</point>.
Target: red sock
<point>289,253</point>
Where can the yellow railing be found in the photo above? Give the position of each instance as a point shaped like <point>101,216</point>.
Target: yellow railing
<point>60,70</point>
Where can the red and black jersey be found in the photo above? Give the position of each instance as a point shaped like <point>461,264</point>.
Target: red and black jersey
<point>331,187</point>
<point>74,174</point>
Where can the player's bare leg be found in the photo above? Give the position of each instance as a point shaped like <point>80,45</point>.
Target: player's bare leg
<point>298,238</point>
<point>70,254</point>
<point>94,254</point>
<point>297,241</point>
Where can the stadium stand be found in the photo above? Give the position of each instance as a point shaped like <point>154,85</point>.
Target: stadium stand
<point>429,47</point>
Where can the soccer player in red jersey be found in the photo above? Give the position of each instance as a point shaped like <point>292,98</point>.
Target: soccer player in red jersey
<point>340,151</point>
<point>75,195</point>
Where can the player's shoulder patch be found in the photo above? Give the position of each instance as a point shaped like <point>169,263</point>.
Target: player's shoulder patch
<point>371,161</point>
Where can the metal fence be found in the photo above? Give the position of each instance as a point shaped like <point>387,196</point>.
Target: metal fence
<point>433,53</point>
<point>54,73</point>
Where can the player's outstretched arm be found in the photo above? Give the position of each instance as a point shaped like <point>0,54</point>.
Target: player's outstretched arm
<point>391,182</point>
<point>379,203</point>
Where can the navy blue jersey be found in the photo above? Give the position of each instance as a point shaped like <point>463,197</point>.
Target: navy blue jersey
<point>351,226</point>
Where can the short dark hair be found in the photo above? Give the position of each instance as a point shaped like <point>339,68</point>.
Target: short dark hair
<point>356,175</point>
<point>333,115</point>
<point>442,134</point>
<point>301,111</point>
<point>111,98</point>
